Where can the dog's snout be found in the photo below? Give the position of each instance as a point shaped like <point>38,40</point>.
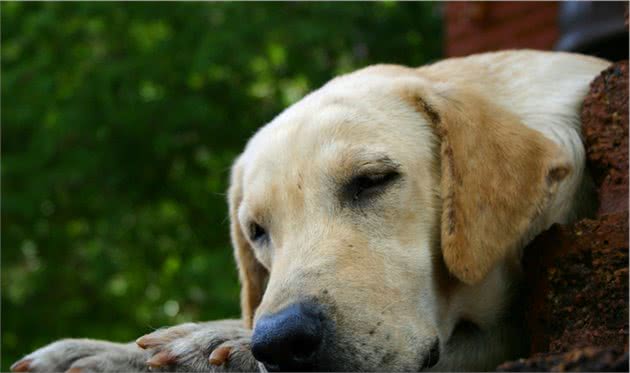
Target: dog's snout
<point>433,356</point>
<point>290,339</point>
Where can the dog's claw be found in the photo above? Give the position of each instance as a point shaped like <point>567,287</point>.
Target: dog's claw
<point>74,370</point>
<point>220,355</point>
<point>145,342</point>
<point>160,359</point>
<point>21,366</point>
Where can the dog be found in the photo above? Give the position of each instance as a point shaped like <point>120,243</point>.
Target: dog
<point>379,223</point>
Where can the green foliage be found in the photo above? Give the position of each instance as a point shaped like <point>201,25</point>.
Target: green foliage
<point>120,121</point>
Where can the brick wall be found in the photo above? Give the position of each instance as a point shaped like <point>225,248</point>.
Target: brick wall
<point>486,26</point>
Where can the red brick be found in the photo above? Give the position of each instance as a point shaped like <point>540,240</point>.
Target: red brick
<point>479,27</point>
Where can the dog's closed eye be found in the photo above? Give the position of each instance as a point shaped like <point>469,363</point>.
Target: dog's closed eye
<point>367,186</point>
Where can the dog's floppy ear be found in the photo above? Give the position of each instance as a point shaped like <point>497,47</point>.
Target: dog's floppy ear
<point>497,176</point>
<point>252,274</point>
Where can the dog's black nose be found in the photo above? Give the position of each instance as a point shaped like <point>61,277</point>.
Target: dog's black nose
<point>290,339</point>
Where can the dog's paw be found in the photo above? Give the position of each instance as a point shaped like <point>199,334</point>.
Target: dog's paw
<point>220,346</point>
<point>83,356</point>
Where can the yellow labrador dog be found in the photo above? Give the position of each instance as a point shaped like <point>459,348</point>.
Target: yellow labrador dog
<point>378,223</point>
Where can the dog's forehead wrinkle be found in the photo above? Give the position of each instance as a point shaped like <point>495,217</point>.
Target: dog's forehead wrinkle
<point>377,162</point>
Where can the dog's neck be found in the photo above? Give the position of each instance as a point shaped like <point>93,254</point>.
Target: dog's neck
<point>480,324</point>
<point>483,304</point>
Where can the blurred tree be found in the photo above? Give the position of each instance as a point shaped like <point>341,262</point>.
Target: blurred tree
<point>120,121</point>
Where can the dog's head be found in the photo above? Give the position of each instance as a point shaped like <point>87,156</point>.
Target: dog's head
<point>360,210</point>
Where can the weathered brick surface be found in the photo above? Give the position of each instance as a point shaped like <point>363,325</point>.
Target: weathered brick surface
<point>605,126</point>
<point>578,285</point>
<point>589,359</point>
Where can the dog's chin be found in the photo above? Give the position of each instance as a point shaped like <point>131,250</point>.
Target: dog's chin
<point>363,356</point>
